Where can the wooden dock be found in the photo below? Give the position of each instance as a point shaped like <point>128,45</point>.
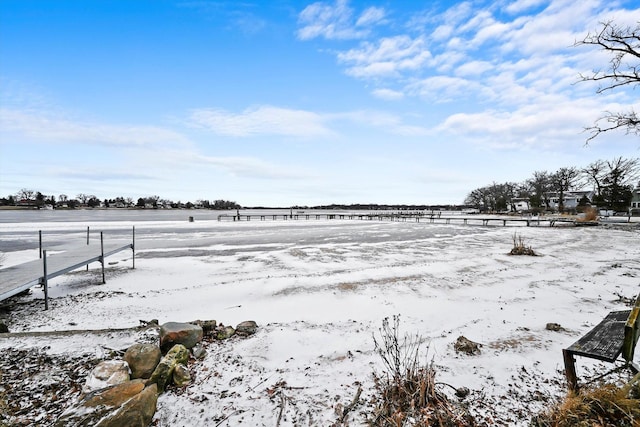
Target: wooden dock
<point>408,217</point>
<point>21,277</point>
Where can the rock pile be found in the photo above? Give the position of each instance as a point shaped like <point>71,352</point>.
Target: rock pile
<point>125,392</point>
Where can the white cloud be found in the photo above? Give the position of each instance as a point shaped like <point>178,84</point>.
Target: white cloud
<point>388,94</point>
<point>329,21</point>
<point>473,68</point>
<point>388,57</point>
<point>545,124</point>
<point>45,126</point>
<point>444,88</point>
<point>371,16</point>
<point>262,120</point>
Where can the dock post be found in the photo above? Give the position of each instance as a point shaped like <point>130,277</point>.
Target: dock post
<point>45,282</point>
<point>101,257</point>
<point>40,242</point>
<point>87,244</point>
<point>133,247</point>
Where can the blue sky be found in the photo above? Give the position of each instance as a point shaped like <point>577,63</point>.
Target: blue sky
<point>281,103</point>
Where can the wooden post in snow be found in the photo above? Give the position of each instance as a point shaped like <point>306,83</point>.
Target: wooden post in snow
<point>45,282</point>
<point>101,257</point>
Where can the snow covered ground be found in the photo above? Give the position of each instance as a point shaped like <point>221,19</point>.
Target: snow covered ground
<point>319,290</point>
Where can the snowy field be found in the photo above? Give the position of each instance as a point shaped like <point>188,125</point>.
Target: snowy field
<point>319,290</point>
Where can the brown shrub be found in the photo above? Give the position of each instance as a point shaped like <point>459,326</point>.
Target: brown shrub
<point>519,248</point>
<point>406,392</point>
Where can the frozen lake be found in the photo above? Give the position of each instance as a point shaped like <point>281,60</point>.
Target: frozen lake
<point>320,289</point>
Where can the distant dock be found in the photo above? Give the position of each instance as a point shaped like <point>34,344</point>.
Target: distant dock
<point>21,277</point>
<point>432,218</point>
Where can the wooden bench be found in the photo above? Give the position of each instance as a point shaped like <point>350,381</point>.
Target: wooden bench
<point>617,334</point>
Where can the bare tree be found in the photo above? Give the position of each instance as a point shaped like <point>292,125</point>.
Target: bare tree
<point>83,198</point>
<point>540,185</point>
<point>595,173</point>
<point>617,182</point>
<point>25,194</point>
<point>565,179</point>
<point>623,43</point>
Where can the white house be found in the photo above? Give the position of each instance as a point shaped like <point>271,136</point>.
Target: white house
<point>571,199</point>
<point>634,208</point>
<point>520,204</point>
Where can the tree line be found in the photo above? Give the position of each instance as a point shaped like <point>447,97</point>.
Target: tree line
<point>612,182</point>
<point>35,199</point>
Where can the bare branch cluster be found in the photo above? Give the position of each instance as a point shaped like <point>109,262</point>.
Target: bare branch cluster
<point>623,43</point>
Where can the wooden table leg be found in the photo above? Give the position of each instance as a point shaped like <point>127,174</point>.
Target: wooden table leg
<point>570,370</point>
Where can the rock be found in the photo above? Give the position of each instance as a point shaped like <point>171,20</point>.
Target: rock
<point>181,376</point>
<point>465,345</point>
<point>554,327</point>
<point>3,328</point>
<point>198,351</point>
<point>164,371</point>
<point>462,392</point>
<point>172,333</point>
<point>208,326</point>
<point>126,404</point>
<point>142,359</point>
<point>246,328</point>
<point>224,332</point>
<point>136,412</point>
<point>107,373</point>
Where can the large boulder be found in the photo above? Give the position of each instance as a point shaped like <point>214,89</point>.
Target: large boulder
<point>142,359</point>
<point>105,374</point>
<point>172,333</point>
<point>127,404</point>
<point>162,375</point>
<point>246,328</point>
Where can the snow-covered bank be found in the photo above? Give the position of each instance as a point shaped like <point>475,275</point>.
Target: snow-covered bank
<point>319,290</point>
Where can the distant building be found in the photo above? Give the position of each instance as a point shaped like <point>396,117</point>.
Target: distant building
<point>571,199</point>
<point>520,204</point>
<point>634,208</point>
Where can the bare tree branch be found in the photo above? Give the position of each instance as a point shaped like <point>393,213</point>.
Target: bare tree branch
<point>624,44</point>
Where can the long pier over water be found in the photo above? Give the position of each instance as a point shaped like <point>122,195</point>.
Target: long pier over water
<point>433,218</point>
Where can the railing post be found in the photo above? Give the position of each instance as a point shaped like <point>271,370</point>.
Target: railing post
<point>87,244</point>
<point>101,257</point>
<point>40,242</point>
<point>133,246</point>
<point>45,281</point>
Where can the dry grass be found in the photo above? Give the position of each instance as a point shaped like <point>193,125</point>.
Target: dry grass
<point>602,406</point>
<point>406,392</point>
<point>590,215</point>
<point>520,248</point>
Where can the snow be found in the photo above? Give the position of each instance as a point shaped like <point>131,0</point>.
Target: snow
<point>319,290</point>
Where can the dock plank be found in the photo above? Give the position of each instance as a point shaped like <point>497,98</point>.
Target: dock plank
<point>18,278</point>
